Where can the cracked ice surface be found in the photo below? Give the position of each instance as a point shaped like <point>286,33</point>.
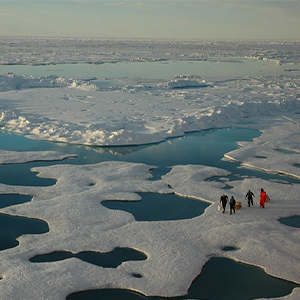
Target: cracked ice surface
<point>136,115</point>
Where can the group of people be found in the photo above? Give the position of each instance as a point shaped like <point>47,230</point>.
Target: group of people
<point>232,202</point>
<point>249,196</point>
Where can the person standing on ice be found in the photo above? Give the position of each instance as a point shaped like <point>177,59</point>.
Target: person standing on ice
<point>249,197</point>
<point>223,201</point>
<point>263,198</point>
<point>232,203</point>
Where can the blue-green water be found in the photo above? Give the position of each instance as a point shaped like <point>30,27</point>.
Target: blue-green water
<point>220,279</point>
<point>154,71</point>
<point>229,248</point>
<point>160,207</point>
<point>12,227</point>
<point>13,199</point>
<point>106,260</point>
<point>206,148</point>
<point>293,221</point>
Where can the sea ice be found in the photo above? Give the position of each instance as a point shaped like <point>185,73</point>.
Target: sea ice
<point>138,115</point>
<point>176,250</point>
<point>14,157</point>
<point>91,113</point>
<point>49,51</point>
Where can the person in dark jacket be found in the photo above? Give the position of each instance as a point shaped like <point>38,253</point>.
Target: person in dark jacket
<point>232,203</point>
<point>249,197</point>
<point>223,201</point>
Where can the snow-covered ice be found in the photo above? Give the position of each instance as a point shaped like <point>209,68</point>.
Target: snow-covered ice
<point>14,157</point>
<point>92,113</point>
<point>74,205</point>
<point>138,115</point>
<point>44,51</point>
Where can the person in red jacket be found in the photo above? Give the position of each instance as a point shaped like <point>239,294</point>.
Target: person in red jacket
<point>263,198</point>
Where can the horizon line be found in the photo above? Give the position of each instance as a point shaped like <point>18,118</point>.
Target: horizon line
<point>150,38</point>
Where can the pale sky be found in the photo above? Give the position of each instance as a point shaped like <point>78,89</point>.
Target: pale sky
<point>196,19</point>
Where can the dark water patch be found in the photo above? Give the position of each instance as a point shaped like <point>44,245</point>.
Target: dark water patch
<point>279,181</point>
<point>21,174</point>
<point>247,122</point>
<point>106,260</point>
<point>242,174</point>
<point>157,173</point>
<point>13,199</point>
<point>163,69</point>
<point>107,294</point>
<point>285,151</point>
<point>220,279</point>
<point>291,70</point>
<point>236,281</point>
<point>11,227</point>
<point>189,87</point>
<point>16,142</point>
<point>297,165</point>
<point>206,147</point>
<point>293,221</point>
<point>160,207</point>
<point>222,179</point>
<point>229,248</point>
<point>227,187</point>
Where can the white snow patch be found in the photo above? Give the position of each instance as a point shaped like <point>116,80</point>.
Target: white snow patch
<point>277,150</point>
<point>139,116</point>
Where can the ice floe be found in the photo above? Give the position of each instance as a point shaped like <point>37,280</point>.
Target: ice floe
<point>265,152</point>
<point>14,157</point>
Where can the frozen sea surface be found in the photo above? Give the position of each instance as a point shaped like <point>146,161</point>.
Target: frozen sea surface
<point>39,51</point>
<point>96,111</point>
